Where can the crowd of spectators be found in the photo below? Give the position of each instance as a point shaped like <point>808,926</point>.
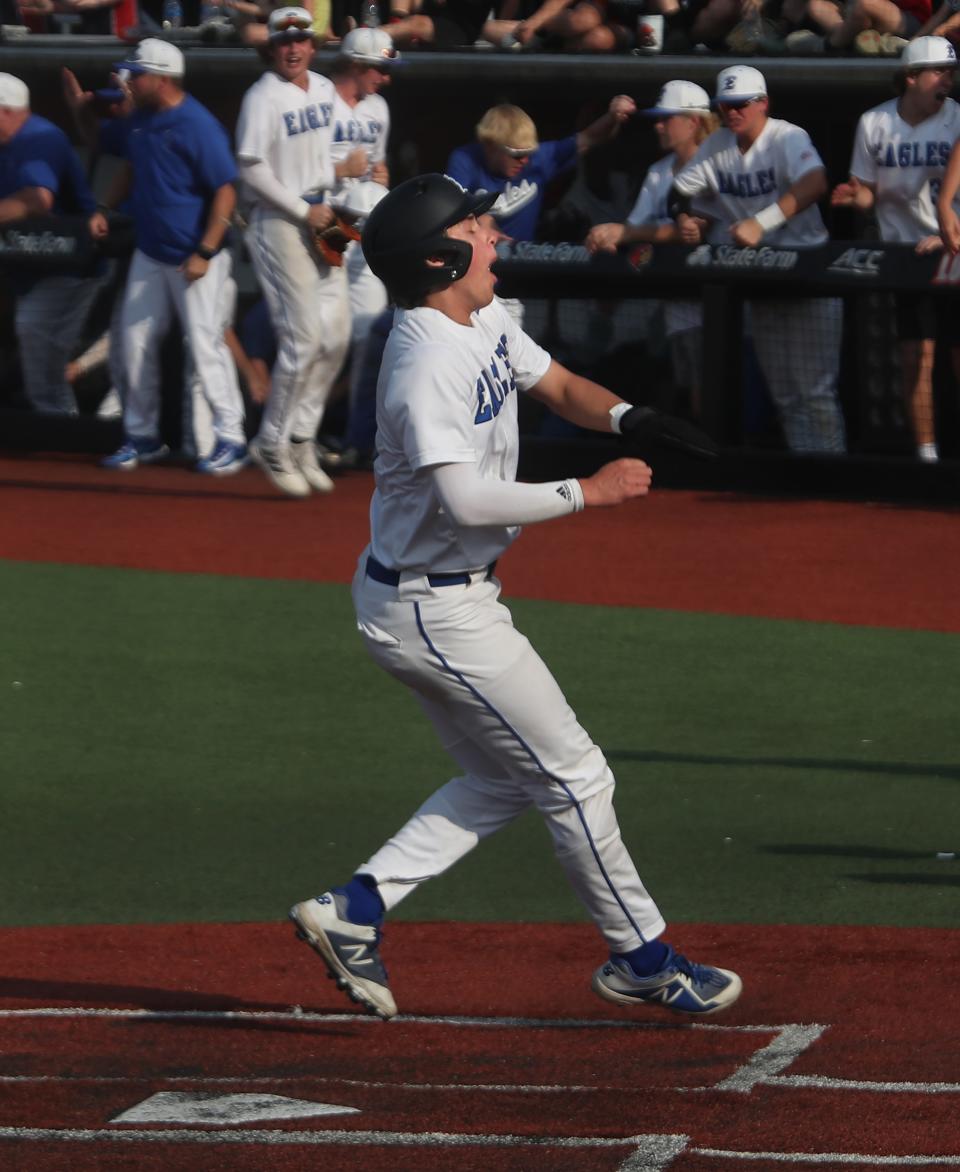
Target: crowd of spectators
<point>744,27</point>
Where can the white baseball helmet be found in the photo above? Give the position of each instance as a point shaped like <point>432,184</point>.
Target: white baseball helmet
<point>358,200</point>
<point>369,46</point>
<point>928,53</point>
<point>679,97</point>
<point>289,24</point>
<point>738,83</point>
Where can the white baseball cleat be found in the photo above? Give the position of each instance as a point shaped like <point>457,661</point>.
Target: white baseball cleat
<point>350,951</point>
<point>304,455</point>
<point>278,465</point>
<point>679,985</point>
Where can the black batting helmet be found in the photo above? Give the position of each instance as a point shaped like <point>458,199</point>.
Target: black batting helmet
<point>408,226</point>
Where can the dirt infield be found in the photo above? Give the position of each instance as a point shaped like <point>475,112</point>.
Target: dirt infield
<point>707,552</point>
<point>162,1041</point>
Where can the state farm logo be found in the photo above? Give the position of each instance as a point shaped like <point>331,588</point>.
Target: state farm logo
<point>567,253</point>
<point>948,270</point>
<point>858,262</point>
<point>641,255</point>
<point>728,256</point>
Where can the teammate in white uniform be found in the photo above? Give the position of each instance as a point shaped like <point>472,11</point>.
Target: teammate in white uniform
<point>284,135</point>
<point>361,119</point>
<point>683,119</point>
<point>900,154</point>
<point>757,180</point>
<point>446,506</point>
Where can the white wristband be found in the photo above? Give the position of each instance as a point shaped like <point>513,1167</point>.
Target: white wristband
<point>575,490</point>
<point>771,218</point>
<point>616,414</point>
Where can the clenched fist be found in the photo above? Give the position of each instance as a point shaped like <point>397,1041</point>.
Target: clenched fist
<point>616,482</point>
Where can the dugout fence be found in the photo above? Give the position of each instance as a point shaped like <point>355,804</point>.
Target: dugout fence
<point>710,331</point>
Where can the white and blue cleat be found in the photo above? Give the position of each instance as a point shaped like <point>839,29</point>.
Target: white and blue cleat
<point>225,459</point>
<point>679,986</point>
<point>350,951</point>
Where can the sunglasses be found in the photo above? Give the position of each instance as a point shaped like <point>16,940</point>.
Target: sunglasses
<point>740,104</point>
<point>293,24</point>
<point>518,152</point>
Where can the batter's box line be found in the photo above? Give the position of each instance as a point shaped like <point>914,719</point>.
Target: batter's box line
<point>651,1153</point>
<point>764,1068</point>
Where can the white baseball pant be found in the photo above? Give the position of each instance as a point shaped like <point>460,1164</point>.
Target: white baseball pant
<point>309,310</point>
<point>798,348</point>
<point>49,320</point>
<point>154,293</point>
<point>368,299</point>
<point>503,718</point>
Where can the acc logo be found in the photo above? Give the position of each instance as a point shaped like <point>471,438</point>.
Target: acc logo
<point>948,270</point>
<point>860,262</point>
<point>641,255</point>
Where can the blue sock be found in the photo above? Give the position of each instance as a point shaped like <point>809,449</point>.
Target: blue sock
<point>364,905</point>
<point>648,959</point>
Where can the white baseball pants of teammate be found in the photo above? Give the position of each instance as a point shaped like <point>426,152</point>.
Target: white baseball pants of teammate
<point>309,310</point>
<point>798,348</point>
<point>503,718</point>
<point>154,293</point>
<point>199,434</point>
<point>368,299</point>
<point>49,319</point>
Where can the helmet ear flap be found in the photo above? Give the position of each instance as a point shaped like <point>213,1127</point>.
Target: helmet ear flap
<point>457,256</point>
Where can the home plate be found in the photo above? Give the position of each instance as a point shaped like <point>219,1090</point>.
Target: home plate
<point>226,1110</point>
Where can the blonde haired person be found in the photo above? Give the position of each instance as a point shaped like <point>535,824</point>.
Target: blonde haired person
<point>682,119</point>
<point>508,157</point>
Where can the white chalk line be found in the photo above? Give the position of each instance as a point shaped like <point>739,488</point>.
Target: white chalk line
<point>325,1137</point>
<point>652,1152</point>
<point>296,1080</point>
<point>825,1083</point>
<point>300,1017</point>
<point>830,1158</point>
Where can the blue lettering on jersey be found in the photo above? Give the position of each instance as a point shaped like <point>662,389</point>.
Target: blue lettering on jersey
<point>354,131</point>
<point>316,116</point>
<point>496,381</point>
<point>914,154</point>
<point>758,183</point>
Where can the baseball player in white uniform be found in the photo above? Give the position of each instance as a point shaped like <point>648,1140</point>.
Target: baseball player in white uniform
<point>900,154</point>
<point>446,506</point>
<point>682,120</point>
<point>284,138</point>
<point>360,135</point>
<point>757,180</point>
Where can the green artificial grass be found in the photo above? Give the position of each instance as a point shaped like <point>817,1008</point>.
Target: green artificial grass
<point>187,747</point>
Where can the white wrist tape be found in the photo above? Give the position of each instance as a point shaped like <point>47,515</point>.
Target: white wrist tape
<point>616,414</point>
<point>771,218</point>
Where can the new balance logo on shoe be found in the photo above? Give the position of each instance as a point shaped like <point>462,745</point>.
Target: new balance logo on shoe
<point>679,986</point>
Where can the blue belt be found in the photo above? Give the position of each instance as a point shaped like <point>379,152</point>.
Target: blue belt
<point>380,573</point>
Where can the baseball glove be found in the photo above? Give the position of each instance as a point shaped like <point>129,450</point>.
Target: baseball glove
<point>643,425</point>
<point>331,242</point>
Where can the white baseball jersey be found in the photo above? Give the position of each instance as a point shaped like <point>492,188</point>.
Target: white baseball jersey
<point>447,394</point>
<point>905,166</point>
<point>651,205</point>
<point>735,186</point>
<point>366,125</point>
<point>651,208</point>
<point>290,129</point>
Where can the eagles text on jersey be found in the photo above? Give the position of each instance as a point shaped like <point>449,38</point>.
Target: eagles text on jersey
<point>494,386</point>
<point>316,116</point>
